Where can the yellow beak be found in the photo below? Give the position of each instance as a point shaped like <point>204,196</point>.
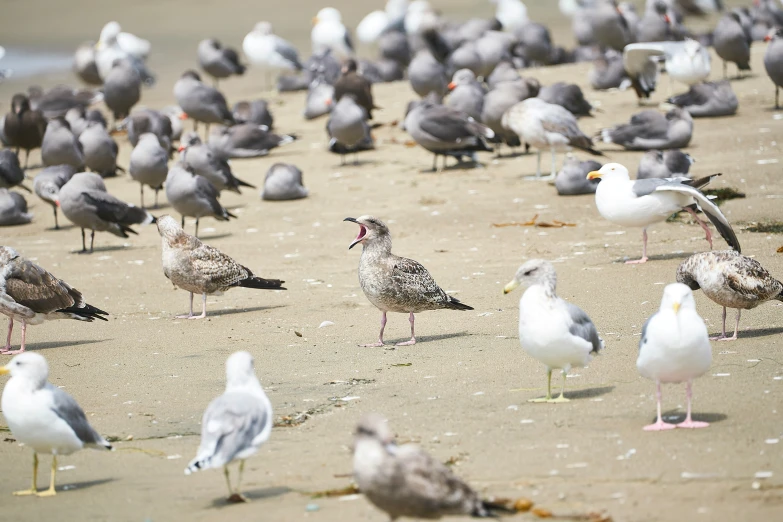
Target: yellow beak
<point>4,370</point>
<point>676,307</point>
<point>593,175</point>
<point>511,286</point>
<point>315,20</point>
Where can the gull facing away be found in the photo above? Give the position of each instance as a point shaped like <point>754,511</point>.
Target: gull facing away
<point>201,102</point>
<point>31,295</point>
<point>201,269</point>
<point>405,481</point>
<point>270,52</point>
<point>192,195</point>
<point>687,62</point>
<point>557,333</point>
<point>674,348</point>
<point>44,417</point>
<point>643,202</point>
<point>731,280</point>
<point>236,424</point>
<point>773,62</point>
<point>392,283</point>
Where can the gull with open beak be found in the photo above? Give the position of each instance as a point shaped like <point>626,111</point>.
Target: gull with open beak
<point>643,202</point>
<point>557,333</point>
<point>674,348</point>
<point>392,283</point>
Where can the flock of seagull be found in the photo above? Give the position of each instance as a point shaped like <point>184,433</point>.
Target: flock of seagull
<point>473,65</point>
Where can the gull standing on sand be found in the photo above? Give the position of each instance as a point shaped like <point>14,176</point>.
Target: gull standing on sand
<point>652,130</point>
<point>330,33</point>
<point>13,208</point>
<point>114,44</point>
<point>732,43</point>
<point>121,89</point>
<point>643,202</point>
<point>201,102</point>
<point>60,146</point>
<point>270,52</point>
<point>201,269</point>
<point>201,160</point>
<point>86,203</point>
<point>405,481</point>
<point>192,195</point>
<point>731,280</point>
<point>348,129</point>
<point>546,126</point>
<point>100,150</point>
<point>44,417</point>
<point>687,62</point>
<point>773,62</point>
<point>557,333</point>
<point>218,61</point>
<point>351,82</point>
<point>31,295</point>
<point>47,185</point>
<point>149,165</point>
<point>23,127</point>
<point>236,424</point>
<point>392,283</point>
<point>674,348</point>
<point>708,100</point>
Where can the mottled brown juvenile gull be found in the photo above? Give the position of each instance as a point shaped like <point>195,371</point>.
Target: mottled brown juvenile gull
<point>86,203</point>
<point>203,161</point>
<point>23,127</point>
<point>405,481</point>
<point>47,185</point>
<point>659,164</point>
<point>60,146</point>
<point>235,424</point>
<point>708,99</point>
<point>652,130</point>
<point>731,42</point>
<point>193,196</point>
<point>13,208</point>
<point>149,165</point>
<point>731,280</point>
<point>218,61</point>
<point>43,417</point>
<point>11,173</point>
<point>773,62</point>
<point>348,129</point>
<point>351,82</point>
<point>283,182</point>
<point>643,202</point>
<point>201,269</point>
<point>200,102</point>
<point>31,295</point>
<point>100,150</point>
<point>392,283</point>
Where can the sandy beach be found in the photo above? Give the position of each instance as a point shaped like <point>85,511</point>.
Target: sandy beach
<point>145,378</point>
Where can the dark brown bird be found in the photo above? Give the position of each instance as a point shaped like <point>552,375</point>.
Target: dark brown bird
<point>354,83</point>
<point>24,128</point>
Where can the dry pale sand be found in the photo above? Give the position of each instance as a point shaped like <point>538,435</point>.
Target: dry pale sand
<point>145,378</point>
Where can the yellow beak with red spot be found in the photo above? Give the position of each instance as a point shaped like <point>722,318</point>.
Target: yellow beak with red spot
<point>593,175</point>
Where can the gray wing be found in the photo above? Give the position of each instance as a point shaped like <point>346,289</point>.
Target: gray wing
<point>68,410</point>
<point>207,96</point>
<point>583,327</point>
<point>112,210</point>
<point>446,125</point>
<point>207,191</point>
<point>643,339</point>
<point>644,187</point>
<point>288,51</point>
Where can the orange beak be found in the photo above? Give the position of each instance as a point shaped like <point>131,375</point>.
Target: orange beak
<point>768,38</point>
<point>451,86</point>
<point>183,116</point>
<point>667,19</point>
<point>181,148</point>
<point>329,102</point>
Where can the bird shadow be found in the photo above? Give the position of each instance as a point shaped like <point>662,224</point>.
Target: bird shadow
<point>419,340</point>
<point>589,393</point>
<point>97,250</point>
<point>215,236</point>
<point>61,344</point>
<point>83,485</point>
<point>659,257</point>
<point>62,227</point>
<point>750,334</point>
<point>232,311</point>
<point>675,417</point>
<point>255,494</point>
<point>161,206</point>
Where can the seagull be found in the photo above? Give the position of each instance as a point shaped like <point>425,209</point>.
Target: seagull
<point>557,333</point>
<point>193,195</point>
<point>687,62</point>
<point>405,481</point>
<point>23,127</point>
<point>198,268</point>
<point>283,182</point>
<point>351,82</point>
<point>269,51</point>
<point>330,33</point>
<point>149,164</point>
<point>642,202</point>
<point>773,62</point>
<point>731,280</point>
<point>218,61</point>
<point>114,44</point>
<point>708,99</point>
<point>672,163</point>
<point>13,208</point>
<point>674,348</point>
<point>236,424</point>
<point>652,130</point>
<point>47,185</point>
<point>392,283</point>
<point>201,102</point>
<point>348,129</point>
<point>31,295</point>
<point>202,160</point>
<point>44,417</point>
<point>732,42</point>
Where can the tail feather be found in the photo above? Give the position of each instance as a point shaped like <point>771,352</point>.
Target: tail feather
<point>455,304</point>
<point>490,509</point>
<point>262,284</point>
<point>85,313</point>
<point>244,183</point>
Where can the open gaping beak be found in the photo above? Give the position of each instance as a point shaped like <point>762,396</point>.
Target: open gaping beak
<point>511,286</point>
<point>593,175</point>
<point>362,232</point>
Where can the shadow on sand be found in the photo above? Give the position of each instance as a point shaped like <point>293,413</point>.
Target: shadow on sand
<point>676,416</point>
<point>252,495</point>
<point>62,344</point>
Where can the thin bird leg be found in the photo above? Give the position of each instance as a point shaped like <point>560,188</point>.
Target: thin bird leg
<point>413,336</point>
<point>228,481</point>
<point>156,198</point>
<point>688,422</point>
<point>554,167</point>
<point>203,307</point>
<point>56,224</point>
<point>141,185</point>
<point>7,350</point>
<point>562,391</point>
<point>34,489</point>
<point>659,424</point>
<point>644,250</point>
<point>196,234</point>
<point>548,388</point>
<point>50,492</point>
<point>92,240</point>
<point>723,331</point>
<point>183,220</point>
<point>702,224</point>
<point>725,70</point>
<point>191,309</point>
<point>8,340</point>
<point>26,157</point>
<point>435,163</point>
<point>84,244</point>
<point>233,493</point>
<point>736,327</point>
<point>777,94</point>
<point>538,165</point>
<point>380,336</point>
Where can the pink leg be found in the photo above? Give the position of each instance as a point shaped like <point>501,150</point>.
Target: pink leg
<point>203,307</point>
<point>688,422</point>
<point>21,349</point>
<point>702,224</point>
<point>659,424</point>
<point>413,336</point>
<point>191,310</point>
<point>723,334</point>
<point>380,337</point>
<point>8,340</point>
<point>644,251</point>
<point>736,327</point>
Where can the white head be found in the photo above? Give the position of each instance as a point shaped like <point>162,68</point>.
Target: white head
<point>533,272</point>
<point>373,427</point>
<point>239,370</point>
<point>263,28</point>
<point>612,171</point>
<point>676,297</point>
<point>109,33</point>
<point>28,366</point>
<point>328,14</point>
<point>692,47</point>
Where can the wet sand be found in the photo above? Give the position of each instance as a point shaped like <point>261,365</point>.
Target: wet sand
<point>145,378</point>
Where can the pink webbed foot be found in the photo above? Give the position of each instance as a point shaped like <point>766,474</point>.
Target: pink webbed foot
<point>637,261</point>
<point>189,316</point>
<point>407,343</point>
<point>202,316</point>
<point>372,345</point>
<point>11,352</point>
<point>659,426</point>
<point>692,424</point>
<point>732,338</point>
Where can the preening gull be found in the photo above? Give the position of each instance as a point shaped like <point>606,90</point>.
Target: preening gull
<point>31,295</point>
<point>256,111</point>
<point>642,202</point>
<point>218,61</point>
<point>652,130</point>
<point>202,160</point>
<point>392,283</point>
<point>732,42</point>
<point>708,99</point>
<point>201,269</point>
<point>557,333</point>
<point>44,417</point>
<point>773,62</point>
<point>60,146</point>
<point>13,208</point>
<point>283,182</point>
<point>674,348</point>
<point>687,62</point>
<point>47,185</point>
<point>11,173</point>
<point>731,280</point>
<point>100,150</point>
<point>405,481</point>
<point>236,424</point>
